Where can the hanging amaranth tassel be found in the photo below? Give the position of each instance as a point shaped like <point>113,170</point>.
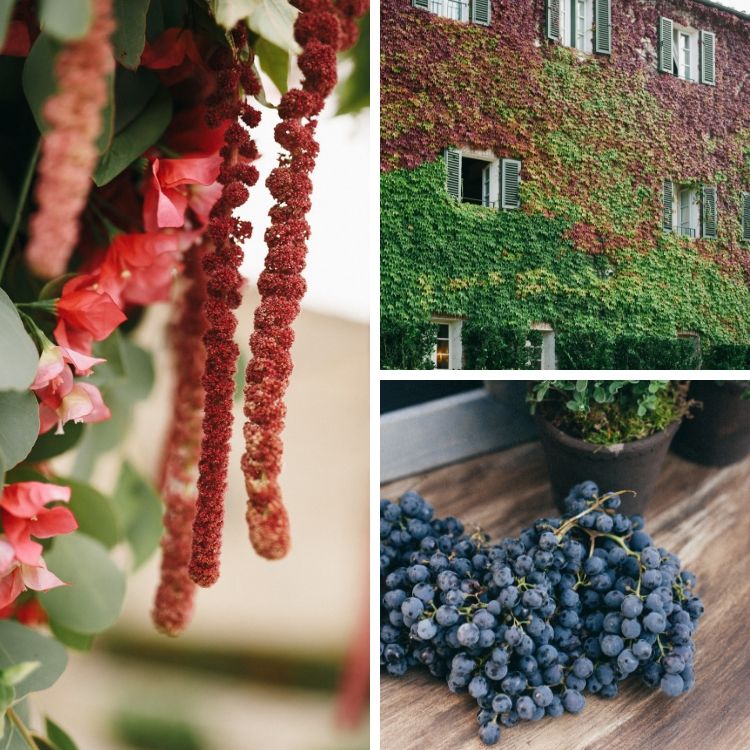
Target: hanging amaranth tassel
<point>235,80</point>
<point>173,607</point>
<point>321,29</point>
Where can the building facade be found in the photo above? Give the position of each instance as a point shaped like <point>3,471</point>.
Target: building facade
<point>565,183</point>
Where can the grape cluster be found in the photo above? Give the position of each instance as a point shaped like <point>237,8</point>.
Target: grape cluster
<point>528,625</point>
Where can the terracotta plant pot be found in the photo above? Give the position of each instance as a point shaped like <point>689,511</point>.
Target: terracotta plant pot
<point>719,433</point>
<point>625,466</point>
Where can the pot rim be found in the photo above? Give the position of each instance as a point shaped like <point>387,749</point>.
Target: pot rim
<point>641,445</point>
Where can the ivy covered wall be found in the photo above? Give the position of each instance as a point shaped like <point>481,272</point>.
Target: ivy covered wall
<point>597,136</point>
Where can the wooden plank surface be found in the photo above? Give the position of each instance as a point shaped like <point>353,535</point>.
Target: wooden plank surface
<point>702,515</point>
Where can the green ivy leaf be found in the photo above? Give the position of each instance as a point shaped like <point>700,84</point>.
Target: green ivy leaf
<point>19,425</point>
<point>65,21</point>
<point>59,737</point>
<point>21,644</point>
<point>71,639</point>
<point>140,511</point>
<point>18,355</point>
<point>93,600</point>
<point>271,19</point>
<point>94,512</point>
<point>6,10</point>
<point>274,62</point>
<point>136,138</point>
<point>129,38</point>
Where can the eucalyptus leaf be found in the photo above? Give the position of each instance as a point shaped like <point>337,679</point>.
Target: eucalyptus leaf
<point>18,355</point>
<point>65,21</point>
<point>51,444</point>
<point>71,639</point>
<point>61,739</point>
<point>129,38</point>
<point>20,644</point>
<point>93,600</point>
<point>140,511</point>
<point>6,10</point>
<point>19,425</point>
<point>271,19</point>
<point>136,138</point>
<point>39,82</point>
<point>274,62</point>
<point>94,512</point>
<point>16,673</point>
<point>7,696</point>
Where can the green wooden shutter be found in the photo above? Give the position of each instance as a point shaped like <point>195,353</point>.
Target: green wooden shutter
<point>666,44</point>
<point>745,209</point>
<point>421,4</point>
<point>709,212</point>
<point>553,19</point>
<point>480,11</point>
<point>708,58</point>
<point>510,185</point>
<point>453,172</point>
<point>603,27</point>
<point>667,202</point>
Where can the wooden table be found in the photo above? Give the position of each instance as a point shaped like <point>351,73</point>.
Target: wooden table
<point>701,514</point>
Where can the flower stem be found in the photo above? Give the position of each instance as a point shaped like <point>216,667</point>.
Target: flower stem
<point>22,729</point>
<point>23,195</point>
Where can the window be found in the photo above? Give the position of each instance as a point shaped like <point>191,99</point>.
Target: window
<point>480,178</point>
<point>687,53</point>
<point>585,25</point>
<point>745,216</point>
<point>476,11</point>
<point>690,210</point>
<point>540,348</point>
<point>447,353</point>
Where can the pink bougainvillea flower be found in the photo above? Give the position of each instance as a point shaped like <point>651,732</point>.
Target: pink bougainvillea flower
<point>175,55</point>
<point>82,402</point>
<point>140,268</point>
<point>85,314</point>
<point>169,189</point>
<point>24,516</point>
<point>22,577</point>
<point>17,41</point>
<point>189,133</point>
<point>55,360</point>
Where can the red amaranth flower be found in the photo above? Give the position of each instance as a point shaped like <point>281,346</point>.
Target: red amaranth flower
<point>223,283</point>
<point>69,151</point>
<point>281,286</point>
<point>173,605</point>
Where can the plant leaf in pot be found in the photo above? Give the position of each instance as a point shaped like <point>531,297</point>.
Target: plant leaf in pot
<point>613,432</point>
<point>718,433</point>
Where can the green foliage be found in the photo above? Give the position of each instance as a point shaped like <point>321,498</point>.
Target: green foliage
<point>6,10</point>
<point>19,426</point>
<point>94,511</point>
<point>22,645</point>
<point>129,38</point>
<point>274,61</point>
<point>39,81</point>
<point>145,732</point>
<point>60,739</point>
<point>504,271</point>
<point>50,444</point>
<point>65,21</point>
<point>18,354</point>
<point>93,600</point>
<point>609,411</point>
<point>354,91</point>
<point>271,19</point>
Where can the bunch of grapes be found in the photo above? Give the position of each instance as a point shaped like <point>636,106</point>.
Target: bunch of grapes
<point>528,625</point>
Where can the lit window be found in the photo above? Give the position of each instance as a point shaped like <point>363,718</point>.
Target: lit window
<point>480,178</point>
<point>447,353</point>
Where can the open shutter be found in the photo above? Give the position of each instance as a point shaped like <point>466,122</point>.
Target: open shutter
<point>510,183</point>
<point>553,19</point>
<point>745,209</point>
<point>709,212</point>
<point>421,4</point>
<point>603,27</point>
<point>480,11</point>
<point>668,203</point>
<point>453,172</point>
<point>666,44</point>
<point>708,58</point>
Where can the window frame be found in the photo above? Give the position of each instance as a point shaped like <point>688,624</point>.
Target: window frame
<point>455,343</point>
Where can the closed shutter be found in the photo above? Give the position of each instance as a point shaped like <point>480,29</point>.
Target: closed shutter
<point>708,58</point>
<point>666,44</point>
<point>668,202</point>
<point>553,19</point>
<point>603,27</point>
<point>745,208</point>
<point>480,11</point>
<point>510,183</point>
<point>421,4</point>
<point>453,172</point>
<point>709,212</point>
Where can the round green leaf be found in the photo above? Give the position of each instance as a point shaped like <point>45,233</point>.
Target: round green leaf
<point>18,355</point>
<point>93,511</point>
<point>21,644</point>
<point>93,600</point>
<point>129,38</point>
<point>19,425</point>
<point>51,444</point>
<point>65,21</point>
<point>39,82</point>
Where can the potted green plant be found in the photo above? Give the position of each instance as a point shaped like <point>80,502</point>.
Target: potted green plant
<point>719,432</point>
<point>613,432</point>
